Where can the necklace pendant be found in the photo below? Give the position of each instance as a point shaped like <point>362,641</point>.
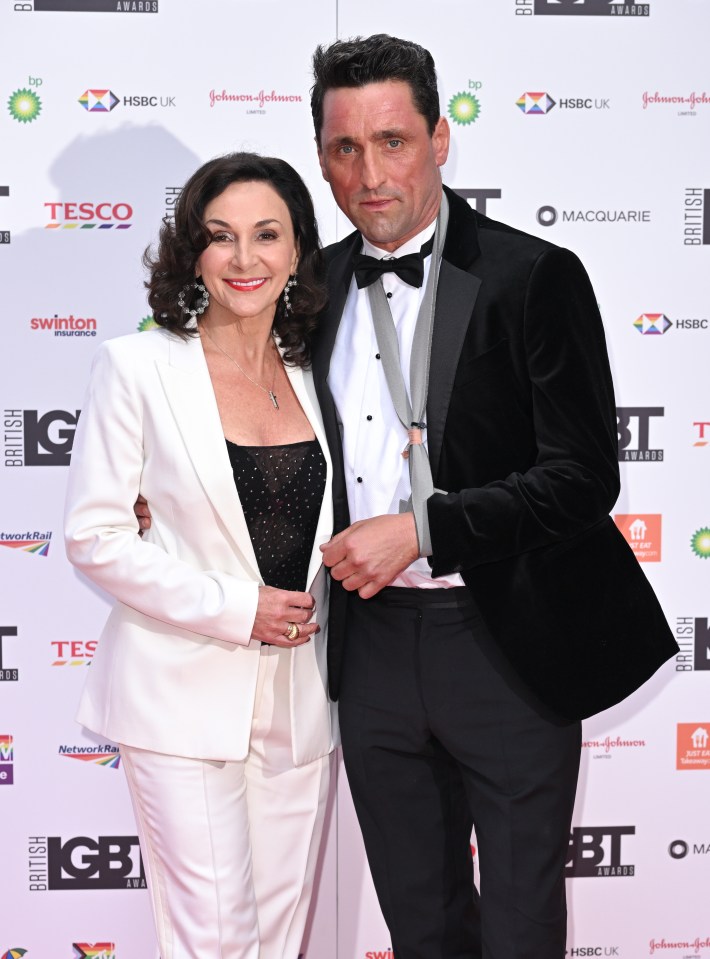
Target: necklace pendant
<point>272,397</point>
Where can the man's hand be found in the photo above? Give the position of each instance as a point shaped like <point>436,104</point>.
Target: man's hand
<point>140,508</point>
<point>277,610</point>
<point>368,555</point>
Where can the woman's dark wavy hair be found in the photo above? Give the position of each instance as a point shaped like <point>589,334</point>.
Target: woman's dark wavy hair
<point>375,59</point>
<point>181,242</point>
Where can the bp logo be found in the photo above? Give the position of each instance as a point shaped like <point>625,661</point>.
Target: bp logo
<point>700,543</point>
<point>24,105</point>
<point>147,323</point>
<point>464,108</point>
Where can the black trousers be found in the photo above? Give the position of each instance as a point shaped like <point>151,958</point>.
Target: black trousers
<point>438,736</point>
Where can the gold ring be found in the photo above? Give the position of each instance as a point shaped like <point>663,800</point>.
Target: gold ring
<point>293,631</point>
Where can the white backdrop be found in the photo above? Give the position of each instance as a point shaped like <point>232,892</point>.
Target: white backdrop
<point>582,121</point>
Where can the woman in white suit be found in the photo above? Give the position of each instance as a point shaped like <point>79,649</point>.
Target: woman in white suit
<point>210,672</point>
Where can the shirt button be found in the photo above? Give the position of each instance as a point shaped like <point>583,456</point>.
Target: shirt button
<point>389,296</point>
<point>359,479</point>
<point>369,417</point>
<point>377,356</point>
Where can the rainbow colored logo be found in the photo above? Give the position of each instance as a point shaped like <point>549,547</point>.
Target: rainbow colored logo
<point>15,953</point>
<point>535,104</point>
<point>94,950</point>
<point>40,547</point>
<point>98,755</point>
<point>652,324</point>
<point>98,101</point>
<point>6,748</point>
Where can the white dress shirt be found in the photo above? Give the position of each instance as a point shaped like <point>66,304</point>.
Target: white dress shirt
<point>376,473</point>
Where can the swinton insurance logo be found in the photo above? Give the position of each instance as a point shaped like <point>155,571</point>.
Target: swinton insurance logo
<point>581,8</point>
<point>105,755</point>
<point>34,439</point>
<point>89,216</point>
<point>15,953</point>
<point>83,863</point>
<point>87,6</point>
<point>643,534</point>
<point>6,760</point>
<point>693,746</point>
<point>599,851</point>
<point>65,326</point>
<point>94,950</point>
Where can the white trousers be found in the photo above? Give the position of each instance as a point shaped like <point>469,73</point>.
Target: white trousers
<point>230,848</point>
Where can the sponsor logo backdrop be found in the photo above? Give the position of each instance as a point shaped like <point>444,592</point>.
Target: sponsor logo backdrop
<point>583,122</point>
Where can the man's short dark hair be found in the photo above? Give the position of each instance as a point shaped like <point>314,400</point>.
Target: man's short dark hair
<point>376,59</point>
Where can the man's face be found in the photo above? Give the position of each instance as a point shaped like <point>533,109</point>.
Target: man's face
<point>381,162</point>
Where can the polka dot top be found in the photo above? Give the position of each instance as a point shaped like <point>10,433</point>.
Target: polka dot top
<point>281,491</point>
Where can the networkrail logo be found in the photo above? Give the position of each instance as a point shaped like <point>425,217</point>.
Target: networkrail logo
<point>105,755</point>
<point>36,543</point>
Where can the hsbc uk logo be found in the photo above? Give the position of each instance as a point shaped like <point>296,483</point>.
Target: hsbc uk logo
<point>94,950</point>
<point>104,101</point>
<point>656,324</point>
<point>539,104</point>
<point>596,851</point>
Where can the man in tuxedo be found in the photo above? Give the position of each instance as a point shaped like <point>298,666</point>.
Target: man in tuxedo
<point>473,626</point>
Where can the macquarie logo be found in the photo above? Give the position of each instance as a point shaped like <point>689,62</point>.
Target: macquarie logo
<point>693,746</point>
<point>643,534</point>
<point>6,760</point>
<point>549,215</point>
<point>87,6</point>
<point>89,216</point>
<point>105,755</point>
<point>94,950</point>
<point>8,674</point>
<point>480,197</point>
<point>76,327</point>
<point>692,633</point>
<point>634,426</point>
<point>83,863</point>
<point>581,8</point>
<point>36,542</point>
<point>34,439</point>
<point>599,851</point>
<point>679,849</point>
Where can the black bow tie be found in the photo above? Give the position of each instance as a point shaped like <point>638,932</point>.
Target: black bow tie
<point>409,268</point>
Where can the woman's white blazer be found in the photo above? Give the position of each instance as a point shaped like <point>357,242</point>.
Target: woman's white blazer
<point>175,668</point>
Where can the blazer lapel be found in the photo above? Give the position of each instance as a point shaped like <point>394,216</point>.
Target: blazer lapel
<point>456,295</point>
<point>304,389</point>
<point>189,392</point>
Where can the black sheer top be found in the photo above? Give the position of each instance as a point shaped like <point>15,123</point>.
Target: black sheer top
<point>281,491</point>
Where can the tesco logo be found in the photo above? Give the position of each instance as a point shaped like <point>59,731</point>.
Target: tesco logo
<point>87,216</point>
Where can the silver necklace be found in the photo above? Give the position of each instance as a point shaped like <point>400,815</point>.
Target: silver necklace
<point>270,393</point>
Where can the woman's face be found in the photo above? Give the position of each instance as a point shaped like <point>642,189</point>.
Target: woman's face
<point>252,253</point>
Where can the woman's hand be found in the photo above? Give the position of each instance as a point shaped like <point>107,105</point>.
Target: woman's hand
<point>281,612</point>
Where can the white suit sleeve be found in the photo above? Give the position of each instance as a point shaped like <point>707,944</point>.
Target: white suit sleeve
<point>101,530</point>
